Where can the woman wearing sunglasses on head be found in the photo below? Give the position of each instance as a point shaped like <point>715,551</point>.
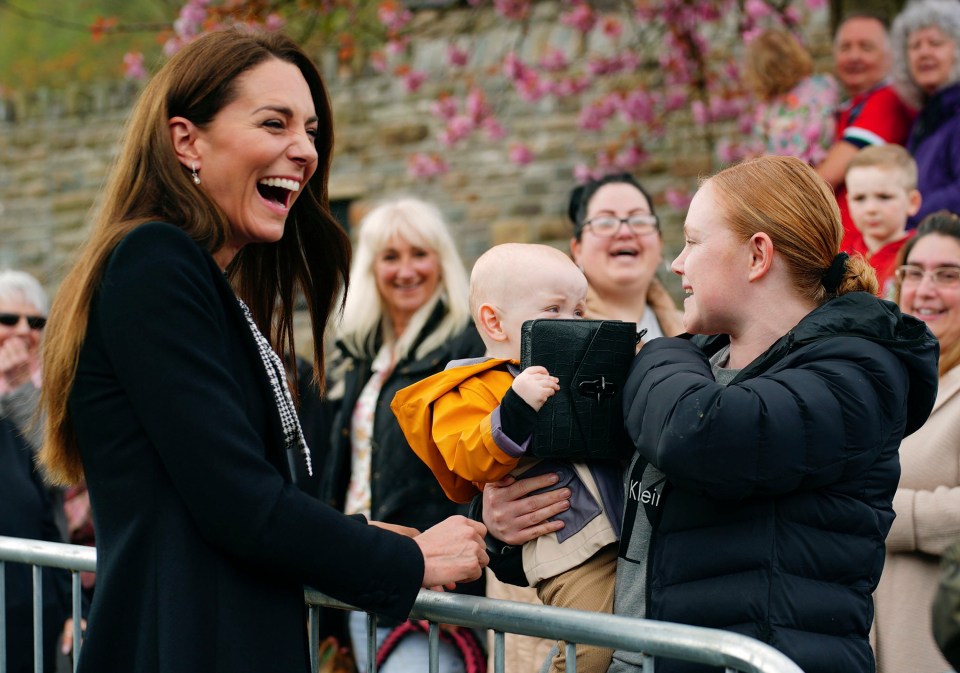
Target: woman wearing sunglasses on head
<point>927,501</point>
<point>27,508</point>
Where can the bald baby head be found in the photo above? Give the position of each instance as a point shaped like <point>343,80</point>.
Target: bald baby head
<point>515,282</point>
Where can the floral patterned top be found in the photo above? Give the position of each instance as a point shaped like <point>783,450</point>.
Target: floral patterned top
<point>799,123</point>
<point>361,430</point>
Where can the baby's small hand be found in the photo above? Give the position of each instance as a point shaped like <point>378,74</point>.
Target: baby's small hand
<point>535,386</point>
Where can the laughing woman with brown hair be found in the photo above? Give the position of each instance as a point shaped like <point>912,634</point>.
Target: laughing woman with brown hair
<point>163,387</point>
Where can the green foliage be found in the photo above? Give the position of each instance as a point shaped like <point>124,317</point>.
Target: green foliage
<point>56,42</point>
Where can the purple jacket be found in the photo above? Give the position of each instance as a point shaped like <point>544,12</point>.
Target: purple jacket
<point>935,144</point>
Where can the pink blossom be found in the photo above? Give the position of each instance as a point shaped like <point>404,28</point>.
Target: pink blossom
<point>393,16</point>
<point>630,157</point>
<point>814,5</point>
<point>512,9</point>
<point>554,61</point>
<point>426,166</point>
<point>637,106</point>
<point>378,61</point>
<point>413,79</point>
<point>444,108</point>
<point>791,15</point>
<point>612,28</point>
<point>699,111</point>
<point>520,154</point>
<point>757,9</point>
<point>133,66</point>
<point>397,46</point>
<point>476,105</point>
<point>274,22</point>
<point>494,129</point>
<point>676,100</point>
<point>751,34</point>
<point>531,88</point>
<point>677,199</point>
<point>513,67</point>
<point>729,152</point>
<point>570,86</point>
<point>172,46</point>
<point>456,57</point>
<point>595,116</point>
<point>580,17</point>
<point>581,173</point>
<point>458,128</point>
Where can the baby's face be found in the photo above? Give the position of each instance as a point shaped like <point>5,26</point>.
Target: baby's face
<point>545,294</point>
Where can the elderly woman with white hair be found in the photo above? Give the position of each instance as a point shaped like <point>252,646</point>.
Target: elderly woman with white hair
<point>406,315</point>
<point>23,310</point>
<point>926,70</point>
<point>26,508</point>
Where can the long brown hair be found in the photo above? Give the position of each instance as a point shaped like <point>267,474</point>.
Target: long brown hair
<point>943,223</point>
<point>147,182</point>
<point>785,198</point>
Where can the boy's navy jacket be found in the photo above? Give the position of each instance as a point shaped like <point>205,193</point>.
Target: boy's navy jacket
<point>780,485</point>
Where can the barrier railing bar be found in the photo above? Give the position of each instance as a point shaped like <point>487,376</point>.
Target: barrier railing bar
<point>735,652</point>
<point>3,615</point>
<point>75,611</point>
<point>37,619</point>
<point>434,647</point>
<point>499,651</point>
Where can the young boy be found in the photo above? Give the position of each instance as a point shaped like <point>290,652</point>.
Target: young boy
<point>881,194</point>
<point>473,424</point>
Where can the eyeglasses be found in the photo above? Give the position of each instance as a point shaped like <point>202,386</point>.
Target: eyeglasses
<point>608,225</point>
<point>942,276</point>
<point>36,322</point>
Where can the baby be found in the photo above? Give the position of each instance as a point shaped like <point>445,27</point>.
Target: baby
<point>473,423</point>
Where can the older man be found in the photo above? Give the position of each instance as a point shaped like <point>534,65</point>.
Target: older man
<point>873,115</point>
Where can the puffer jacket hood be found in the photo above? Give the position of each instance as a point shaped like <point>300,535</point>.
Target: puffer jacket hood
<point>864,316</point>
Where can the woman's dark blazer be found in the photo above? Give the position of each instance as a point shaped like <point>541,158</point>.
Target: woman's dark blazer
<point>204,544</point>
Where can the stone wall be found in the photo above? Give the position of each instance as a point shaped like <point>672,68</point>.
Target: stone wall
<point>56,147</point>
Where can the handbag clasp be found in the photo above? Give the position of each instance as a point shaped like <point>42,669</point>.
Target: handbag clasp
<point>600,389</point>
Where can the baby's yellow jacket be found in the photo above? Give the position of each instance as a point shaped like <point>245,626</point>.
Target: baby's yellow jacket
<point>446,419</point>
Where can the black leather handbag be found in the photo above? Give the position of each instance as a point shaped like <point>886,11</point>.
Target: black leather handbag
<point>584,419</point>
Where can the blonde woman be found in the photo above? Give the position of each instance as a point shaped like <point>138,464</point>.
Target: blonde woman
<point>405,317</point>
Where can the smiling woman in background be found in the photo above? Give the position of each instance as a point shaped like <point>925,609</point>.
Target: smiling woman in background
<point>405,317</point>
<point>927,502</point>
<point>926,69</point>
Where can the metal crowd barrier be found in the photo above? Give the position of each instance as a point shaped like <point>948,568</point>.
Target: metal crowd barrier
<point>734,652</point>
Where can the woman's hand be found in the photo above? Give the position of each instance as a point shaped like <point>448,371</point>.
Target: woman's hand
<point>453,551</point>
<point>66,636</point>
<point>16,362</point>
<point>516,517</point>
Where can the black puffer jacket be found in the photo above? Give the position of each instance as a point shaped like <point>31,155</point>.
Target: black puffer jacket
<point>780,485</point>
<point>403,490</point>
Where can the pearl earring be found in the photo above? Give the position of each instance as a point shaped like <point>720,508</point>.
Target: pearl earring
<point>194,174</point>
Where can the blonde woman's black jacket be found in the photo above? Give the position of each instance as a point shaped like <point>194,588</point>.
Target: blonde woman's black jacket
<point>403,490</point>
<point>204,544</point>
<point>780,485</point>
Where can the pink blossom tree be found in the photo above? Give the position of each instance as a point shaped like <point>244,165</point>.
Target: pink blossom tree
<point>631,67</point>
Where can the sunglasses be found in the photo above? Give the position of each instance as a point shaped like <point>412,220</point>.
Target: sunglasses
<point>36,322</point>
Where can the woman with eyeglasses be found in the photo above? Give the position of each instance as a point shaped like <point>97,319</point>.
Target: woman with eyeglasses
<point>618,244</point>
<point>27,508</point>
<point>927,501</point>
